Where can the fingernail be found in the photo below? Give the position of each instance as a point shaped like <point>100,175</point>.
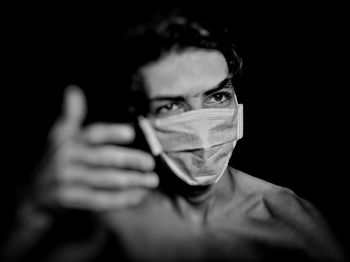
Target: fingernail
<point>153,179</point>
<point>149,162</point>
<point>127,132</point>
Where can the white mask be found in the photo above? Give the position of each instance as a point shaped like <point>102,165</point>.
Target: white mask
<point>196,145</point>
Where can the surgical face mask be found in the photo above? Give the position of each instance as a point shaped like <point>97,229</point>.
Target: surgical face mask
<point>196,145</point>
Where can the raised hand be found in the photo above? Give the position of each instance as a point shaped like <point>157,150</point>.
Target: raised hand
<point>92,167</point>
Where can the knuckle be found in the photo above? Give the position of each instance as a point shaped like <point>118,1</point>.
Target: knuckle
<point>146,161</point>
<point>104,155</point>
<point>113,155</point>
<point>112,178</point>
<point>137,159</point>
<point>100,132</point>
<point>141,179</point>
<point>118,179</point>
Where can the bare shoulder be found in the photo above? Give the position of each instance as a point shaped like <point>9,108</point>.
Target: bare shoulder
<point>291,214</point>
<point>248,184</point>
<point>279,199</point>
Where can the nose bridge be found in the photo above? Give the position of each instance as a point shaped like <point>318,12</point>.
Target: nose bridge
<point>194,102</point>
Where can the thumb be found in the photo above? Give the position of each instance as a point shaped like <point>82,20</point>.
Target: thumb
<point>73,113</point>
<point>74,107</point>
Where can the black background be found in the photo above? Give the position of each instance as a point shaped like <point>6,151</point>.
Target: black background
<point>294,89</point>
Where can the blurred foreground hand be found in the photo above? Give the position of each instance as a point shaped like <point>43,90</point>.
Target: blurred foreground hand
<point>91,167</point>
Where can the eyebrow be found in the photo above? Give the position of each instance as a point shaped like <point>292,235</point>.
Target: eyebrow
<point>220,86</point>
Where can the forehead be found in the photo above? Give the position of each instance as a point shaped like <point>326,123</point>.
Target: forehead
<point>179,74</point>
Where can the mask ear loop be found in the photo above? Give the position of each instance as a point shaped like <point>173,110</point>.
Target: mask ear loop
<point>240,121</point>
<point>150,136</point>
<point>240,118</point>
<point>235,98</point>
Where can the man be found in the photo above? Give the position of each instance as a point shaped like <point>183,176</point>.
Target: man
<point>99,194</point>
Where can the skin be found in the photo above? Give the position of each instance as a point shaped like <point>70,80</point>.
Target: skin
<point>83,171</point>
<point>183,81</point>
<point>180,82</point>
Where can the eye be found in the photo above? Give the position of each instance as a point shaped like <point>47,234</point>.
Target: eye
<point>219,98</point>
<point>167,109</point>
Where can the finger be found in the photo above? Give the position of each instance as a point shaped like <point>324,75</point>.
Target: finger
<point>109,133</point>
<point>119,157</point>
<point>73,115</point>
<point>74,107</point>
<point>99,200</point>
<point>111,178</point>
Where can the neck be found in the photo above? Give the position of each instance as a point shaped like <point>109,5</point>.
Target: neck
<point>197,201</point>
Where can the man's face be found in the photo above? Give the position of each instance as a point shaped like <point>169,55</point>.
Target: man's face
<point>188,80</point>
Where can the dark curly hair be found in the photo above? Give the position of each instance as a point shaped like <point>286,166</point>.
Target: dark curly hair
<point>177,31</point>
